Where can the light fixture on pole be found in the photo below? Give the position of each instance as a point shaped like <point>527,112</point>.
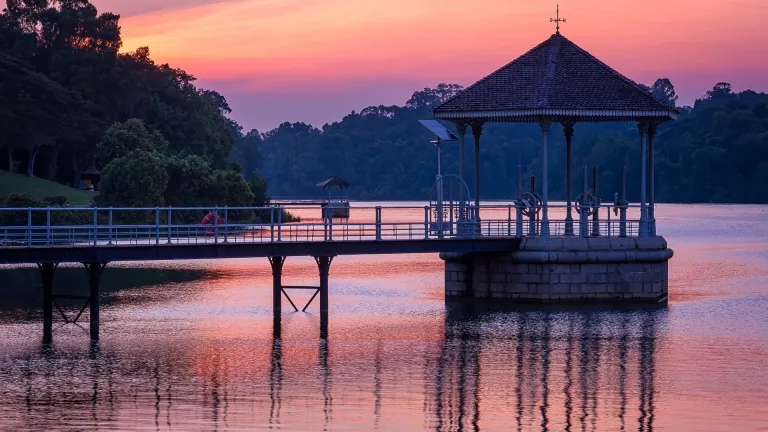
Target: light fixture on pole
<point>443,134</point>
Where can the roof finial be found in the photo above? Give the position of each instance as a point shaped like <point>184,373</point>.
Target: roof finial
<point>557,20</point>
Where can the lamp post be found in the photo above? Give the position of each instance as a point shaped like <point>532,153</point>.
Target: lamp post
<point>439,178</point>
<point>442,134</point>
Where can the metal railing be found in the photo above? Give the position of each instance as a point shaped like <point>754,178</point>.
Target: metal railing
<point>307,199</point>
<point>110,227</point>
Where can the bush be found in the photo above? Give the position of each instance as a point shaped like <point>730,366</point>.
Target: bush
<point>22,201</point>
<point>56,201</point>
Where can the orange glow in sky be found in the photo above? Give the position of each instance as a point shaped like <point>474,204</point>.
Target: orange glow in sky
<point>316,60</point>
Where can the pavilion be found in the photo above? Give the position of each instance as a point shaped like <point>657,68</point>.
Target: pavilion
<point>558,82</point>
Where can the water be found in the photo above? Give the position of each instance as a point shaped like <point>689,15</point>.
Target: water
<point>188,346</point>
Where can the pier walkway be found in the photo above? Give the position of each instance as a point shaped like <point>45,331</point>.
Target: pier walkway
<point>98,236</point>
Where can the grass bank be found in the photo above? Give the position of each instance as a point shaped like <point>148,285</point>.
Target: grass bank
<point>40,188</point>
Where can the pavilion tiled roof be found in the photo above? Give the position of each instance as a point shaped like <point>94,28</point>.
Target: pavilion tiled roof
<point>555,76</point>
<point>334,182</point>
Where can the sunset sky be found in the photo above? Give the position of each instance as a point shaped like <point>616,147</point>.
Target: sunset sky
<point>317,60</point>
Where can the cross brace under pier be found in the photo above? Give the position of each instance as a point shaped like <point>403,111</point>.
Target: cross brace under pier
<point>48,272</point>
<point>279,290</point>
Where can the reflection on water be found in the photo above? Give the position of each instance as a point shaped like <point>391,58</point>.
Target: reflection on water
<point>188,346</point>
<point>564,371</point>
<point>523,370</point>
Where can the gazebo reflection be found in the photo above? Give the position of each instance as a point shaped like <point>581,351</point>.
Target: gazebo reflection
<point>564,370</point>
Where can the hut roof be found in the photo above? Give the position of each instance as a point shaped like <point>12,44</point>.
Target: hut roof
<point>334,181</point>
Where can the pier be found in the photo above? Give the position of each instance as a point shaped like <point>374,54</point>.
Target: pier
<point>474,250</point>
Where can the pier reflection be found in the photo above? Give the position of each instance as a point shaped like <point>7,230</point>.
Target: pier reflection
<point>559,370</point>
<point>526,370</point>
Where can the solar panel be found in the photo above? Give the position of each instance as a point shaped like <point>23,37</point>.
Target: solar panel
<point>438,129</point>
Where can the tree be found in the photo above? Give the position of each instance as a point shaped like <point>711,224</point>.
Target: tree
<point>246,151</point>
<point>33,111</point>
<point>430,97</point>
<point>123,138</point>
<point>138,179</point>
<point>189,180</point>
<point>721,91</point>
<point>664,91</point>
<point>258,187</point>
<point>229,188</point>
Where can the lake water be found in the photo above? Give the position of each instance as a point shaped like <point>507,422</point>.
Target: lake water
<point>188,346</point>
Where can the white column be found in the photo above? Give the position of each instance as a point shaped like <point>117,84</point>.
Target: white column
<point>545,125</point>
<point>643,229</point>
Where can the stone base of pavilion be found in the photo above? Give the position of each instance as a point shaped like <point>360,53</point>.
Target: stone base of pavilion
<point>564,270</point>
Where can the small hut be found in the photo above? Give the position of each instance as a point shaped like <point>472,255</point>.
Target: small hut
<point>335,205</point>
<point>89,178</point>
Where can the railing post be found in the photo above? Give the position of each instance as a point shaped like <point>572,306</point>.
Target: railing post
<point>48,226</point>
<point>518,218</point>
<point>29,227</point>
<point>170,224</point>
<point>378,222</point>
<point>216,224</point>
<point>426,222</point>
<point>596,220</point>
<point>325,223</point>
<point>532,221</point>
<point>623,220</point>
<point>330,225</point>
<point>279,224</point>
<point>226,223</point>
<point>478,224</point>
<point>157,226</point>
<point>95,227</point>
<point>110,226</point>
<point>509,220</point>
<point>583,216</point>
<point>271,224</point>
<point>596,212</point>
<point>624,203</point>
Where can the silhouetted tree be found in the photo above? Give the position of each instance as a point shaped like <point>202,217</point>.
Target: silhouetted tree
<point>664,91</point>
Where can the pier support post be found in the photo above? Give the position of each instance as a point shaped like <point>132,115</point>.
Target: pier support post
<point>324,266</point>
<point>277,292</point>
<point>47,272</point>
<point>94,270</point>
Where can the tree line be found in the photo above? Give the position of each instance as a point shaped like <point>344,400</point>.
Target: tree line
<point>716,151</point>
<point>72,100</point>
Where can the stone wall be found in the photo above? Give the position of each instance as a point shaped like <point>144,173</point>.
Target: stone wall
<point>563,270</point>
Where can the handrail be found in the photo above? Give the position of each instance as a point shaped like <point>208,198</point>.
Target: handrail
<point>116,226</point>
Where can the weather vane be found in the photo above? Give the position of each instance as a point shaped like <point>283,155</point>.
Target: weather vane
<point>557,20</point>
